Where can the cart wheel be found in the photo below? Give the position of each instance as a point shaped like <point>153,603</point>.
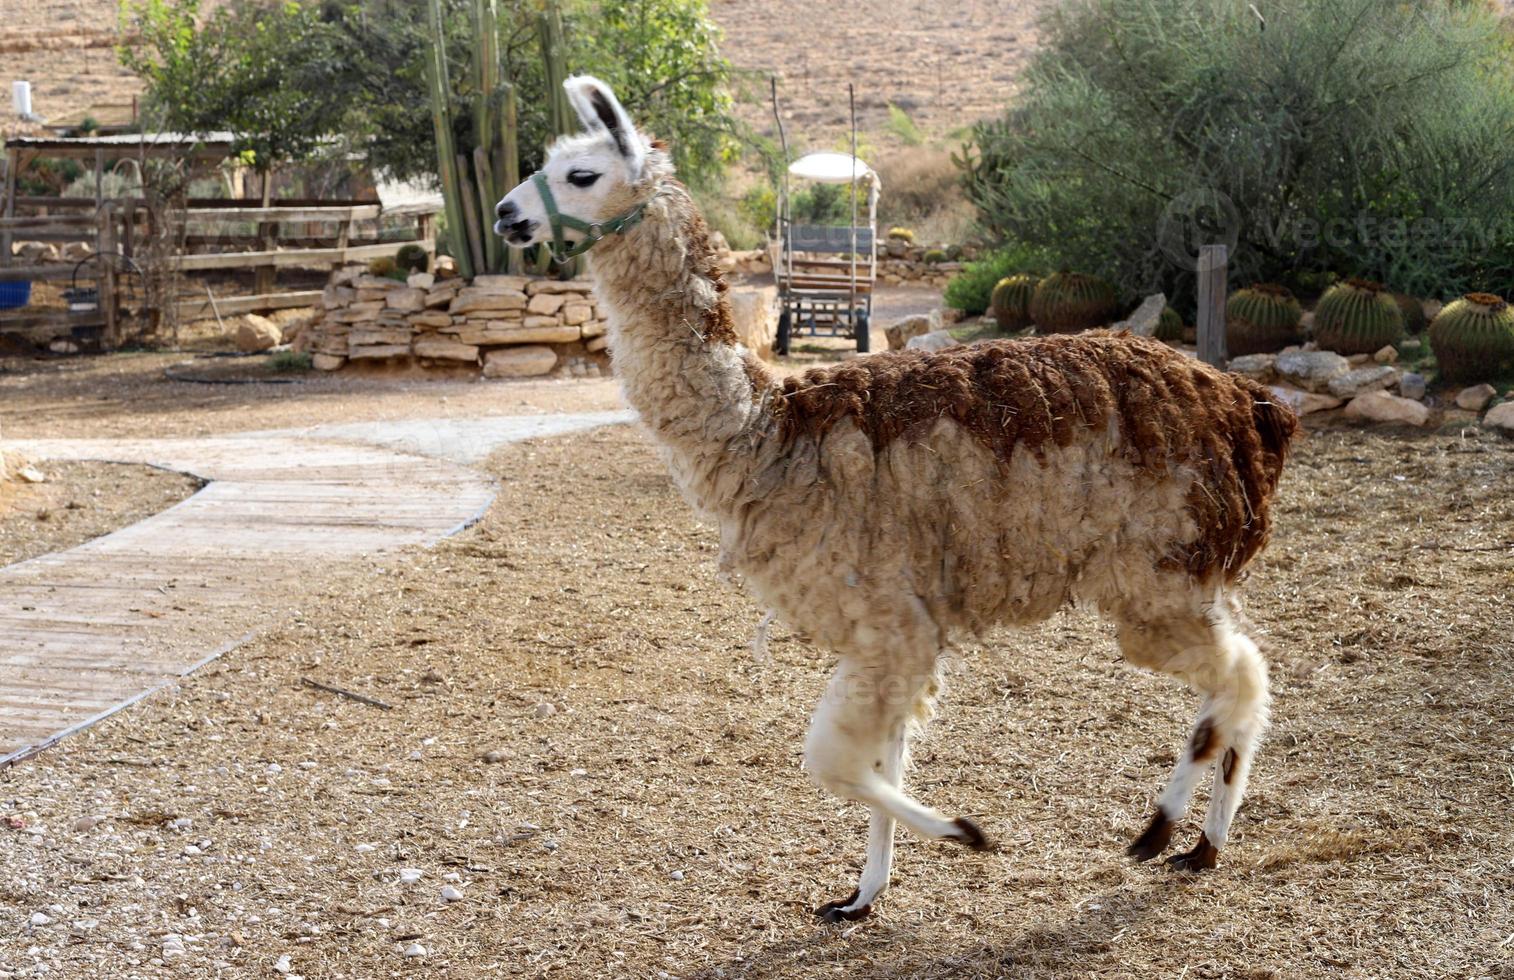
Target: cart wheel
<point>785,327</point>
<point>864,339</point>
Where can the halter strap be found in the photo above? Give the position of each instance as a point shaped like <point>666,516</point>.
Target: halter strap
<point>593,231</point>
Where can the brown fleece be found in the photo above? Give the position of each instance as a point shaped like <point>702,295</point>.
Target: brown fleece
<point>1169,409</point>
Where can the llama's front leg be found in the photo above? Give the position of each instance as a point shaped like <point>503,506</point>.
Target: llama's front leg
<point>855,749</point>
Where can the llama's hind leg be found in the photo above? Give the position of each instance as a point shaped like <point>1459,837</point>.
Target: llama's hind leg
<point>1240,729</point>
<point>880,845</point>
<point>856,749</point>
<point>1225,667</point>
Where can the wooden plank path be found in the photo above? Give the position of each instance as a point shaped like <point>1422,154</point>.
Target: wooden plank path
<point>88,631</point>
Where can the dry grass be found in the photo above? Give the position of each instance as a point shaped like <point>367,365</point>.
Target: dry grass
<point>80,501</point>
<point>647,812</point>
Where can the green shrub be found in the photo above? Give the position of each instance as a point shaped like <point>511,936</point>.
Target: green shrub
<point>1169,326</point>
<point>412,258</point>
<point>971,290</point>
<point>289,362</point>
<point>1367,136</point>
<point>902,126</point>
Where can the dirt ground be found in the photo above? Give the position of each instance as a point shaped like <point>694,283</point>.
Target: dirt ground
<point>80,501</point>
<point>581,744</point>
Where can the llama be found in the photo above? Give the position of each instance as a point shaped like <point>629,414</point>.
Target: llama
<point>886,504</point>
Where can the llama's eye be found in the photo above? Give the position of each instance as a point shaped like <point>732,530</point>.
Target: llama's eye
<point>582,178</point>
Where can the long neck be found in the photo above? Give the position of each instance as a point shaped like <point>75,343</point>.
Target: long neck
<point>671,339</point>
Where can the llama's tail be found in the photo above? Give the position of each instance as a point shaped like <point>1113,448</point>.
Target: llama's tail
<point>1276,424</point>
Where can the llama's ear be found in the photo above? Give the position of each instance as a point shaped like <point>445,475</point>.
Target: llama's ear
<point>601,112</point>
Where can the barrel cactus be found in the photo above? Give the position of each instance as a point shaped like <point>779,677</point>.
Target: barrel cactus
<point>1010,301</point>
<point>1357,317</point>
<point>1066,302</point>
<point>1473,338</point>
<point>1413,311</point>
<point>1169,327</point>
<point>1261,319</point>
<point>412,258</point>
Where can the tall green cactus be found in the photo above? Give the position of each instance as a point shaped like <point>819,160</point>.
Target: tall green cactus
<point>438,81</point>
<point>474,177</point>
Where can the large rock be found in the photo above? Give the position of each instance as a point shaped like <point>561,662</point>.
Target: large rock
<point>519,362</point>
<point>1257,367</point>
<point>256,333</point>
<point>1303,402</point>
<point>901,332</point>
<point>327,362</point>
<point>545,304</point>
<point>1311,370</point>
<point>1500,419</point>
<point>369,336</point>
<point>445,349</point>
<point>407,300</point>
<point>476,300</point>
<point>555,285</point>
<point>1143,322</point>
<point>494,332</point>
<point>754,315</point>
<point>378,352</point>
<point>1380,406</point>
<point>1359,381</point>
<point>933,341</point>
<point>574,314</point>
<point>431,319</point>
<point>1476,398</point>
<point>1412,386</point>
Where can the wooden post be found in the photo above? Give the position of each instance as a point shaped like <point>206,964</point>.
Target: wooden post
<point>1213,273</point>
<point>268,233</point>
<point>425,230</point>
<point>105,255</point>
<point>12,164</point>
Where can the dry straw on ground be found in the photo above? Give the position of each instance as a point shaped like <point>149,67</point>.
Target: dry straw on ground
<point>581,736</point>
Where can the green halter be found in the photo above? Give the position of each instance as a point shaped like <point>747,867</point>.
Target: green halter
<point>593,230</point>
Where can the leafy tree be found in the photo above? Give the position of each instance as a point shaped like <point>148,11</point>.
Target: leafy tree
<point>1367,137</point>
<point>260,69</point>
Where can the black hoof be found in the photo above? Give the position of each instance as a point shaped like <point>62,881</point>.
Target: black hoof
<point>837,911</point>
<point>969,834</point>
<point>1201,858</point>
<point>1153,840</point>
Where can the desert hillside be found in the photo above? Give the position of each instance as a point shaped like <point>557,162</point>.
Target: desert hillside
<point>944,64</point>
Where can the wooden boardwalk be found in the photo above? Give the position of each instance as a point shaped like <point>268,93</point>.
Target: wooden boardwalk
<point>90,630</point>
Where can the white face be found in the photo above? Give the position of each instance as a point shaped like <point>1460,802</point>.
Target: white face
<point>590,176</point>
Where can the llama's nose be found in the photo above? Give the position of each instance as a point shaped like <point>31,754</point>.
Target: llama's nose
<point>505,212</point>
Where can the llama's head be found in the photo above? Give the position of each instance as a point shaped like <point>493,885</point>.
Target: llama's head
<point>590,183</point>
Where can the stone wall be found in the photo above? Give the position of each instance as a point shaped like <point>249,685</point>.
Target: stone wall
<point>505,326</point>
<point>500,326</point>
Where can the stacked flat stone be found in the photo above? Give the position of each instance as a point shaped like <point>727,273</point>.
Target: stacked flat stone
<point>512,326</point>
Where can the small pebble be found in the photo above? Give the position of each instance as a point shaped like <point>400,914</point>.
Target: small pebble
<point>452,876</point>
<point>498,755</point>
<point>409,876</point>
<point>676,876</point>
<point>451,894</point>
<point>579,772</point>
<point>281,965</point>
<point>85,823</point>
<point>545,710</point>
<point>274,768</point>
<point>415,950</point>
<point>365,848</point>
<point>40,919</point>
<point>414,756</point>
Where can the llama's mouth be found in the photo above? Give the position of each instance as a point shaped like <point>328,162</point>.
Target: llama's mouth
<point>517,232</point>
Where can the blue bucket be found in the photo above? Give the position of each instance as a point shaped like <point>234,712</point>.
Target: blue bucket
<point>15,294</point>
